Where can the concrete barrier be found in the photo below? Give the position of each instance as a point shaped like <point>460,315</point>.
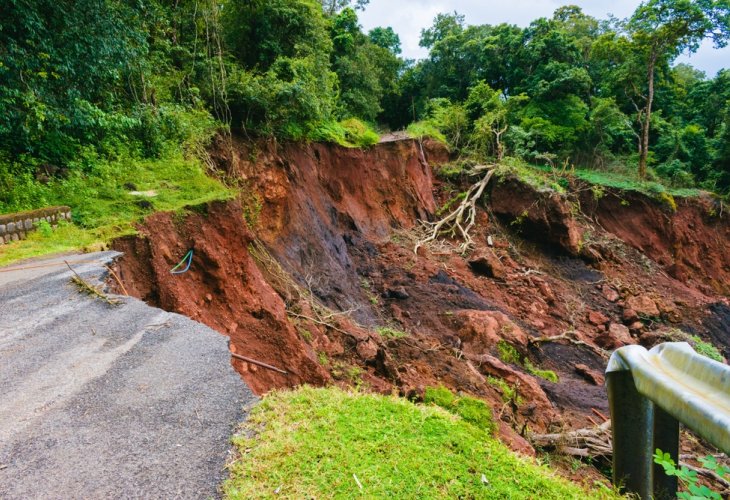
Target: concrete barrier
<point>649,393</point>
<point>14,227</point>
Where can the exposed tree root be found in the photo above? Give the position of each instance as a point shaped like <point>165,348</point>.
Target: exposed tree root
<point>594,442</point>
<point>460,221</point>
<point>566,336</point>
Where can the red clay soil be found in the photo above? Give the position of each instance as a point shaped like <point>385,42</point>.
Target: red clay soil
<point>339,226</point>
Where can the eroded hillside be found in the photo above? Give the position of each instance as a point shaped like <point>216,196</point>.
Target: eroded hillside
<point>312,270</point>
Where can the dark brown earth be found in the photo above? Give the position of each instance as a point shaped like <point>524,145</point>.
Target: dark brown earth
<point>316,257</point>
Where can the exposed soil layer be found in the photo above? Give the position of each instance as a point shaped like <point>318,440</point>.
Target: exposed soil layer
<point>326,286</point>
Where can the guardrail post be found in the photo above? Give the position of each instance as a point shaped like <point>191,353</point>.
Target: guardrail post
<point>632,426</point>
<point>639,427</point>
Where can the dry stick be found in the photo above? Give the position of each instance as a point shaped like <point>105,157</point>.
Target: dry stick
<point>598,413</point>
<point>320,322</point>
<point>565,336</point>
<point>707,473</point>
<point>90,289</point>
<point>259,363</point>
<point>119,282</point>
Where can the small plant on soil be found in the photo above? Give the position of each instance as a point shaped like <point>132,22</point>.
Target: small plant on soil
<point>509,392</point>
<point>390,333</point>
<point>689,479</point>
<point>306,334</point>
<point>322,358</point>
<point>704,348</point>
<point>548,375</point>
<point>509,354</point>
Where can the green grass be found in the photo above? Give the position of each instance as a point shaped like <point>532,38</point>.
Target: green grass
<point>350,133</point>
<point>312,443</point>
<point>101,207</point>
<point>629,182</point>
<point>473,410</point>
<point>423,129</point>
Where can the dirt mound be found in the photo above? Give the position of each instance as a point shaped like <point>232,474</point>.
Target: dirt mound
<point>326,286</point>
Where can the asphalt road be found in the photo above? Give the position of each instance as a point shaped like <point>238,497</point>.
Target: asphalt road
<point>108,401</point>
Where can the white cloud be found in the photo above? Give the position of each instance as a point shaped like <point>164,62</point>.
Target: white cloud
<point>409,17</point>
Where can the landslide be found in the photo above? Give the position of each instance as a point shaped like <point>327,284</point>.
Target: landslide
<point>312,270</point>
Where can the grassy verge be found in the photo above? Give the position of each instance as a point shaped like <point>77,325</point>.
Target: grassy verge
<point>313,443</point>
<point>102,205</point>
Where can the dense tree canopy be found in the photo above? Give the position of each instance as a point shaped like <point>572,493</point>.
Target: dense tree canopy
<point>111,77</point>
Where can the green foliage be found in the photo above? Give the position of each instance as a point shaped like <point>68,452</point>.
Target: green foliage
<point>440,396</point>
<point>424,129</point>
<point>548,375</point>
<point>310,442</point>
<point>350,133</point>
<point>390,333</point>
<point>509,354</point>
<point>706,349</point>
<point>509,393</point>
<point>689,479</point>
<point>102,207</point>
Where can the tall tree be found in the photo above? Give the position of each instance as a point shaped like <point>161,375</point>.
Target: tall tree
<point>662,29</point>
<point>332,7</point>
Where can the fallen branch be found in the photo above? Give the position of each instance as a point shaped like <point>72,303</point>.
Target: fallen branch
<point>91,290</point>
<point>707,473</point>
<point>565,336</point>
<point>258,363</point>
<point>462,219</point>
<point>320,322</point>
<point>119,282</point>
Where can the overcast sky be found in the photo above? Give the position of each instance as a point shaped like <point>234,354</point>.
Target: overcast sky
<point>409,17</point>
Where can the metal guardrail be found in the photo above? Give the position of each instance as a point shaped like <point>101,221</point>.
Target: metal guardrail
<point>649,393</point>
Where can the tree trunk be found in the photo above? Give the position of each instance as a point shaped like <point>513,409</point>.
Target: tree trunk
<point>644,144</point>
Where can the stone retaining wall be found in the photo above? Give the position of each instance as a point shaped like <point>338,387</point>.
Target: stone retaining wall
<point>14,227</point>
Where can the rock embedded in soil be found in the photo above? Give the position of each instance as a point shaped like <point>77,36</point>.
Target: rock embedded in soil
<point>481,330</point>
<point>597,318</point>
<point>486,263</point>
<point>396,292</point>
<point>609,293</point>
<point>592,376</point>
<point>616,336</point>
<point>643,305</point>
